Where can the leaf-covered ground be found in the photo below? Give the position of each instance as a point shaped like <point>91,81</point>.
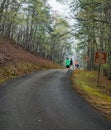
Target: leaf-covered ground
<point>15,61</point>
<point>86,83</point>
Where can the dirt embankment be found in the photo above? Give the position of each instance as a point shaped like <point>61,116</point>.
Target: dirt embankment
<point>15,61</point>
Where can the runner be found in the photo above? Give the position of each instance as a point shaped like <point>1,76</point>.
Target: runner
<point>76,65</point>
<point>71,64</point>
<point>67,63</point>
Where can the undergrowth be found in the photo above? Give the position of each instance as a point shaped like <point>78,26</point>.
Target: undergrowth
<point>85,83</point>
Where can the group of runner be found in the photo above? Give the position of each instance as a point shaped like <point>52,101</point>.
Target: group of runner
<point>69,64</point>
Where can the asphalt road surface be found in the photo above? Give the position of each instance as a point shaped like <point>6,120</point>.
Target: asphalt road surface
<point>46,101</point>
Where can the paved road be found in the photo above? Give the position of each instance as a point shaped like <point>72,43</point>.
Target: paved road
<point>46,101</point>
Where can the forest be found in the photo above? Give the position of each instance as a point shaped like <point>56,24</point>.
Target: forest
<point>93,30</point>
<point>32,25</point>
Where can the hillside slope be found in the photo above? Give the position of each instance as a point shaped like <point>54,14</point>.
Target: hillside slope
<point>15,61</point>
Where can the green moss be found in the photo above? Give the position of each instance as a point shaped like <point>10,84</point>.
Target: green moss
<point>94,92</point>
<point>86,82</point>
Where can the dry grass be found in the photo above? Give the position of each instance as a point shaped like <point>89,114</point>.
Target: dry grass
<point>15,61</point>
<point>85,82</point>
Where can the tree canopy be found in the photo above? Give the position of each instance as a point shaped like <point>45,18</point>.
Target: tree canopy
<point>93,30</point>
<point>32,25</point>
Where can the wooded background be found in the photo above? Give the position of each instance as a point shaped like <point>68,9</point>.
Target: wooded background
<point>93,30</point>
<point>32,25</point>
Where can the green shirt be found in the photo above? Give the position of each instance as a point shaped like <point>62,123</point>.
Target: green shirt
<point>68,62</point>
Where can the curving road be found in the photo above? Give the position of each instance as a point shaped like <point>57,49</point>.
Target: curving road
<point>46,101</point>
